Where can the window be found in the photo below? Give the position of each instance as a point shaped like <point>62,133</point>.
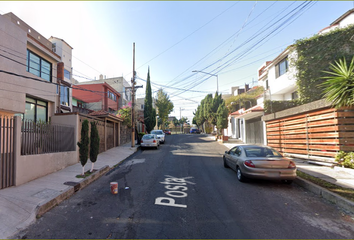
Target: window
<point>112,96</point>
<point>281,67</point>
<point>39,66</point>
<point>36,110</point>
<point>64,95</point>
<point>66,74</point>
<point>294,95</point>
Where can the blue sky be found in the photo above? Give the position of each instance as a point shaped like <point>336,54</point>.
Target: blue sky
<point>229,38</point>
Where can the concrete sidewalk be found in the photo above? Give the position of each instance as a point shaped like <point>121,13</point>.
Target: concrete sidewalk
<point>20,205</point>
<point>343,177</point>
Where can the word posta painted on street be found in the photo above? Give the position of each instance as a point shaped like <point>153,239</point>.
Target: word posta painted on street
<point>177,188</point>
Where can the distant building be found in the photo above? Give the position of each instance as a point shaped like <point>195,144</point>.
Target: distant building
<point>119,84</point>
<point>97,96</point>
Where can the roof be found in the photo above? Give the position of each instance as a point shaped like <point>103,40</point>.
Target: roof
<point>102,113</point>
<point>250,113</point>
<point>342,17</point>
<point>62,41</point>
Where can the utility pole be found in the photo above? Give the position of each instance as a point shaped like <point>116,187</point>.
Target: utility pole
<point>133,98</point>
<point>180,116</point>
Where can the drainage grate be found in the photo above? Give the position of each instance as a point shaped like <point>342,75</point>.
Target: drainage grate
<point>76,185</point>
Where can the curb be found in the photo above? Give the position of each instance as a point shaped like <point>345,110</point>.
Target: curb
<point>324,193</point>
<point>44,207</point>
<point>49,204</point>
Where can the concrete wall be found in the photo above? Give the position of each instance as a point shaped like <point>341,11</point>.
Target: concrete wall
<point>34,166</point>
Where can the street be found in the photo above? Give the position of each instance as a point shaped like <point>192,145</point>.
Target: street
<point>182,190</point>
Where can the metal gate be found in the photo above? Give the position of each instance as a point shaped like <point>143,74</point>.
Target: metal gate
<point>254,131</point>
<point>7,162</point>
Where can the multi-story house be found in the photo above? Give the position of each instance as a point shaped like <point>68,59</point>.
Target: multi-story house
<point>278,77</point>
<point>64,50</point>
<point>97,96</point>
<point>30,76</point>
<point>119,84</point>
<point>29,71</point>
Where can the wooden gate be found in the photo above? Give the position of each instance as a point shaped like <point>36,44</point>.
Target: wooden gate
<point>7,161</point>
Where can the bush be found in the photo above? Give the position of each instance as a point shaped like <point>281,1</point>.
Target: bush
<point>345,159</point>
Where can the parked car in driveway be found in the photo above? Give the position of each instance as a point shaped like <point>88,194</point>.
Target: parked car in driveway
<point>160,135</point>
<point>149,140</point>
<point>167,131</point>
<point>261,162</point>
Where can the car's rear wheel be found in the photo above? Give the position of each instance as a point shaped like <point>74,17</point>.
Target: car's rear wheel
<point>225,164</point>
<point>240,175</point>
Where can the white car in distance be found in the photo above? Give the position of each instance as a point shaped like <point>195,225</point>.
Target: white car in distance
<point>160,135</point>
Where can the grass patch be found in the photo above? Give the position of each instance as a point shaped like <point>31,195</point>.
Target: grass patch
<point>87,173</point>
<point>347,193</point>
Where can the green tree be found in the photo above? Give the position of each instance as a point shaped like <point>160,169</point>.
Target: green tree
<point>183,120</point>
<point>94,144</point>
<point>164,106</point>
<point>126,114</point>
<point>222,118</point>
<point>84,144</point>
<point>339,85</point>
<point>198,116</point>
<point>175,121</point>
<point>215,103</point>
<point>149,111</point>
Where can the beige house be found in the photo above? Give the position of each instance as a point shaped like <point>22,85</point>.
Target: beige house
<point>31,75</point>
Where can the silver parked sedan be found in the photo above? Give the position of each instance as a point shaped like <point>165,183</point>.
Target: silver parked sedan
<point>262,162</point>
<point>149,140</point>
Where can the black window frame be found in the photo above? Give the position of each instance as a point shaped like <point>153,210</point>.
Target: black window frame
<point>36,102</point>
<point>41,73</point>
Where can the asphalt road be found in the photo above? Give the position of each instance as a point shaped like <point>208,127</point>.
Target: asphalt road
<point>182,190</point>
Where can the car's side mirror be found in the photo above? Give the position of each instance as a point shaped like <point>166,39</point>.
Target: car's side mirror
<point>227,152</point>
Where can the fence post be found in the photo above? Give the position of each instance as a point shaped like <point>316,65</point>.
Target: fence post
<point>17,144</point>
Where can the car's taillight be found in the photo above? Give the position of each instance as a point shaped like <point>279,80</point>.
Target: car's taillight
<point>291,165</point>
<point>249,163</point>
<point>154,141</point>
<point>141,141</point>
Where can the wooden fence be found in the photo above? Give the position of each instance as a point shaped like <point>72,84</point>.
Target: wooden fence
<point>316,134</point>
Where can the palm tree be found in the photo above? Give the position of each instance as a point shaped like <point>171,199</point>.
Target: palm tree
<point>339,85</point>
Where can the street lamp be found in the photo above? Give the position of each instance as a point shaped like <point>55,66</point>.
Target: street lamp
<point>215,75</point>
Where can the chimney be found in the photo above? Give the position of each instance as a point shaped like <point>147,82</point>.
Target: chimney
<point>101,77</point>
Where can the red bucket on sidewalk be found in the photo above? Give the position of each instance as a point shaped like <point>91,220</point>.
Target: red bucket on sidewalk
<point>114,187</point>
